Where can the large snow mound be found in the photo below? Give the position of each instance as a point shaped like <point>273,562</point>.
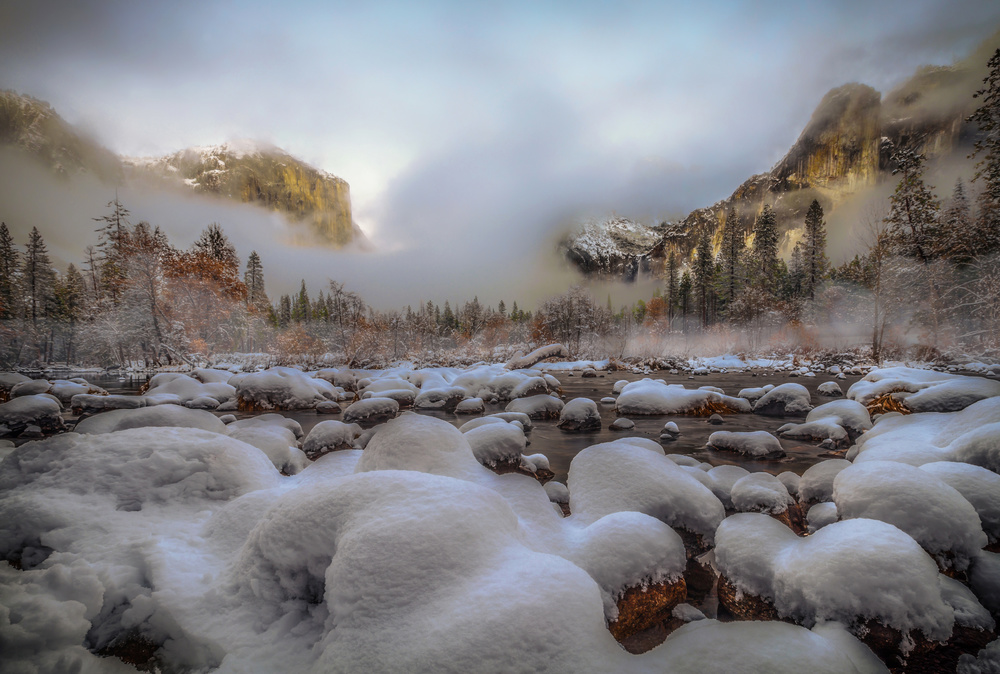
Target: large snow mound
<point>160,415</point>
<point>924,390</point>
<point>936,515</point>
<point>654,396</point>
<point>848,570</point>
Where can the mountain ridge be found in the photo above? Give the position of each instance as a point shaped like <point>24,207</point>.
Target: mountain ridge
<point>244,171</point>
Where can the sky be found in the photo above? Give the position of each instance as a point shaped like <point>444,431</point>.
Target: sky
<point>473,133</point>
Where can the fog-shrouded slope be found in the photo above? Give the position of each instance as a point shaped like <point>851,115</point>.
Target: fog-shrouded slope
<point>262,175</point>
<point>844,151</point>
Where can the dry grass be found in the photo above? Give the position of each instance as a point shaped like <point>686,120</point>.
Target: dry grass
<point>886,403</point>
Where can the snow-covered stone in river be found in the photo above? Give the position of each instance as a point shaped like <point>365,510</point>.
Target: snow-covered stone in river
<point>405,397</point>
<point>607,400</point>
<point>327,436</point>
<point>30,388</point>
<point>924,390</point>
<point>816,483</point>
<point>971,435</point>
<point>445,398</point>
<point>830,388</point>
<point>619,385</point>
<point>937,516</point>
<point>821,515</point>
<point>580,414</point>
<point>755,444</point>
<point>267,420</point>
<point>984,579</point>
<point>979,486</point>
<point>520,361</point>
<point>495,444</point>
<point>671,427</point>
<point>31,410</point>
<point>88,403</point>
<point>283,388</point>
<point>156,416</point>
<point>530,386</point>
<point>839,421</point>
<point>371,410</point>
<point>557,492</point>
<point>791,481</point>
<point>421,443</point>
<point>846,571</point>
<point>519,417</point>
<point>277,442</point>
<point>633,474</point>
<point>784,400</point>
<point>752,395</point>
<point>537,407</point>
<point>622,424</point>
<point>760,492</point>
<point>328,407</point>
<point>180,389</point>
<point>720,480</point>
<point>65,389</point>
<point>653,396</point>
<point>471,406</point>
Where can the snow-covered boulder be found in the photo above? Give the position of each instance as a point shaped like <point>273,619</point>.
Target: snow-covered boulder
<point>752,395</point>
<point>653,396</point>
<point>277,442</point>
<point>371,410</point>
<point>65,389</point>
<point>421,443</point>
<point>784,400</point>
<point>831,389</point>
<point>283,388</point>
<point>211,375</point>
<point>520,361</point>
<point>937,516</point>
<point>31,410</point>
<point>180,389</point>
<point>9,380</point>
<point>580,415</point>
<point>760,493</point>
<point>754,444</point>
<point>267,420</point>
<point>791,481</point>
<point>821,515</point>
<point>519,417</point>
<point>634,474</point>
<point>848,571</point>
<point>445,398</point>
<point>529,386</point>
<point>979,486</point>
<point>720,480</point>
<point>537,407</point>
<point>816,483</point>
<point>86,403</point>
<point>499,444</point>
<point>913,390</point>
<point>30,388</point>
<point>622,424</point>
<point>327,436</point>
<point>158,416</point>
<point>405,397</point>
<point>471,406</point>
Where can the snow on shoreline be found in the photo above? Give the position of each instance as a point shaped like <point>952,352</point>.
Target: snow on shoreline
<point>221,544</point>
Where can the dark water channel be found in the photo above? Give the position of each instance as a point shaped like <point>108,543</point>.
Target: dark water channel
<point>560,447</point>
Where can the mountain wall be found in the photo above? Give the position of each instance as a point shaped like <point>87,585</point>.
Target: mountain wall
<point>255,174</point>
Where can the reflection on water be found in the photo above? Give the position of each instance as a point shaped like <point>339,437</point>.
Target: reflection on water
<point>561,447</point>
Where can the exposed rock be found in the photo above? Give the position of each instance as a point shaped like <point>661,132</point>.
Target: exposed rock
<point>640,607</point>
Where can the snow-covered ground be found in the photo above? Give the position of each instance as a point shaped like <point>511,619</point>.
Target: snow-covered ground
<point>176,536</point>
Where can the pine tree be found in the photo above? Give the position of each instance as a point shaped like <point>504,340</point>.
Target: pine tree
<point>37,278</point>
<point>913,210</point>
<point>704,268</point>
<point>111,249</point>
<point>502,309</point>
<point>70,295</point>
<point>214,244</point>
<point>987,118</point>
<point>958,236</point>
<point>731,256</point>
<point>814,260</point>
<point>285,311</point>
<point>8,274</point>
<point>448,318</point>
<point>796,281</point>
<point>684,293</point>
<point>671,297</point>
<point>301,308</point>
<point>515,313</point>
<point>254,280</point>
<point>765,250</point>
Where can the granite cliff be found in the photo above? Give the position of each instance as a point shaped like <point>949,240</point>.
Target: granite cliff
<point>265,176</point>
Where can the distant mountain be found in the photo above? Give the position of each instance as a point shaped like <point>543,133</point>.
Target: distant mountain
<point>840,153</point>
<point>257,174</point>
<point>33,127</point>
